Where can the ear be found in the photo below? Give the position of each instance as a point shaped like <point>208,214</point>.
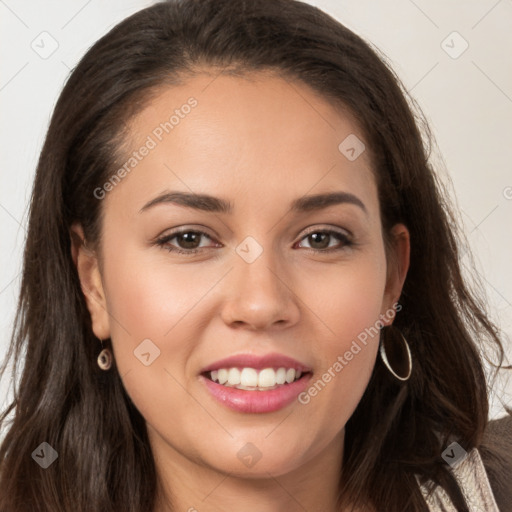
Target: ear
<point>398,265</point>
<point>87,265</point>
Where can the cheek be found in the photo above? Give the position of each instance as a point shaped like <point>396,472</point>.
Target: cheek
<point>148,300</point>
<point>149,297</point>
<point>347,298</point>
<point>349,306</point>
<point>151,301</point>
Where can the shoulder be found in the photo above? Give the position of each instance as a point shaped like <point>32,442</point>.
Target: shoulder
<point>496,454</point>
<point>484,474</point>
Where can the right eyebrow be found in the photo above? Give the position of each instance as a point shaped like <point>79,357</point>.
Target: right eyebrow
<point>203,202</point>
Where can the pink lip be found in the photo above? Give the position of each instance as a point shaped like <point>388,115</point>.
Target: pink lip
<point>257,401</point>
<point>273,360</point>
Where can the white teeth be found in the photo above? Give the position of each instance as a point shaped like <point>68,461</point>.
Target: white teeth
<point>234,376</point>
<point>267,378</point>
<point>248,377</point>
<point>252,379</point>
<point>222,376</point>
<point>281,376</point>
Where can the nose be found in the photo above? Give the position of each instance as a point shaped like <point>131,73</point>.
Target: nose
<point>259,295</point>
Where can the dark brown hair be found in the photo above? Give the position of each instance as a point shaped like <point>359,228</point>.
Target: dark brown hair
<point>398,430</point>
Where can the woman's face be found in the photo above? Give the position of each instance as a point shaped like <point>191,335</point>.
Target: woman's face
<point>267,275</point>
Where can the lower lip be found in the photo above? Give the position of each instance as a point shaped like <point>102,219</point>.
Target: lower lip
<point>257,401</point>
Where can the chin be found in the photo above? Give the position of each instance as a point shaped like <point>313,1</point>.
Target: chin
<point>249,461</point>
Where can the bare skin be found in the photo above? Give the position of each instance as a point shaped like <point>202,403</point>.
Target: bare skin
<point>260,144</point>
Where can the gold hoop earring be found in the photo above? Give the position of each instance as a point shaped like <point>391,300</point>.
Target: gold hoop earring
<point>404,370</point>
<point>105,359</point>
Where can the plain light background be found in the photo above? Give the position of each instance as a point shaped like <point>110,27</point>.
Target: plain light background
<point>454,57</point>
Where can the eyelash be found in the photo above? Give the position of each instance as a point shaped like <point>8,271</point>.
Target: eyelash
<point>164,241</point>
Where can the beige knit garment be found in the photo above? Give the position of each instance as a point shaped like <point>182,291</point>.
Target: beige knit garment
<point>473,481</point>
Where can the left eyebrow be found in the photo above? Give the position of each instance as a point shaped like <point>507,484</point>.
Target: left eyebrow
<point>209,203</point>
<point>320,201</point>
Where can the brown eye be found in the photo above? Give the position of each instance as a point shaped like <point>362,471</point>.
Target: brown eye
<point>321,240</point>
<point>185,242</point>
<point>188,240</point>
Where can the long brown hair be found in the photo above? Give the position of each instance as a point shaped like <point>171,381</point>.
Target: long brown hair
<point>398,430</point>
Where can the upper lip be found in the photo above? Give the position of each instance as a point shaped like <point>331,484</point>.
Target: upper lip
<point>258,362</point>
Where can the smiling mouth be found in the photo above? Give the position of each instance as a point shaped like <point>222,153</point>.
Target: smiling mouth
<point>251,379</point>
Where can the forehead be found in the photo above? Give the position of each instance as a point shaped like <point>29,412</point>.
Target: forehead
<point>258,135</point>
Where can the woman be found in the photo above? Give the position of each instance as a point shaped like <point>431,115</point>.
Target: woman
<point>241,286</point>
